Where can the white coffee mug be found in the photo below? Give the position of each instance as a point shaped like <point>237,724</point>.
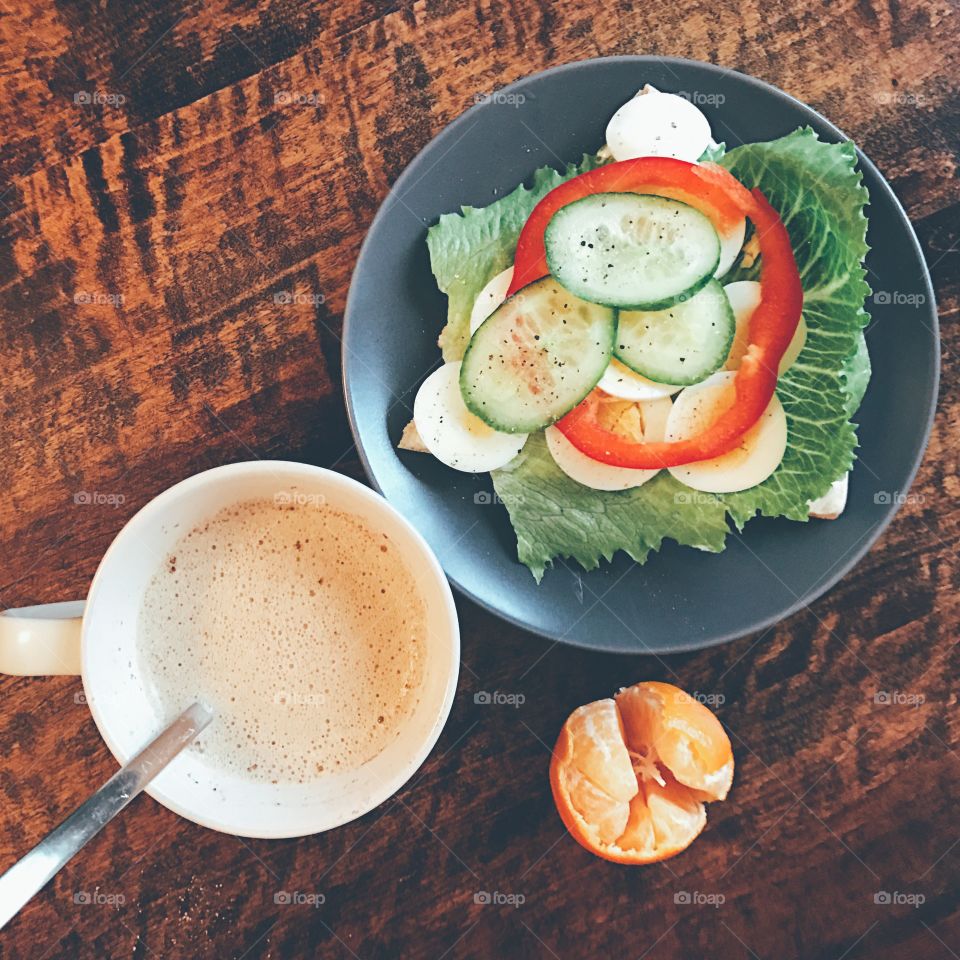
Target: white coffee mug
<point>97,639</point>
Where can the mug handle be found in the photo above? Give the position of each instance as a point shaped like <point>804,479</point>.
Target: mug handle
<point>42,640</point>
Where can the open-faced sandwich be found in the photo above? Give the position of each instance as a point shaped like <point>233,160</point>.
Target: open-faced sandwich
<point>654,341</point>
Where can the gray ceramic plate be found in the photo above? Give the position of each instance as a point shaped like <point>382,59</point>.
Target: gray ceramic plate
<point>681,599</point>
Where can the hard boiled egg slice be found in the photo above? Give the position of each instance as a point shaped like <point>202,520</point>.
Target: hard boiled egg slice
<point>452,433</point>
<point>639,421</point>
<point>620,381</point>
<point>731,242</point>
<point>744,297</point>
<point>760,450</point>
<point>490,297</point>
<point>655,124</point>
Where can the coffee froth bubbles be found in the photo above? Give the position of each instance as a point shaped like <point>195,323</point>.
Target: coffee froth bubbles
<point>299,624</point>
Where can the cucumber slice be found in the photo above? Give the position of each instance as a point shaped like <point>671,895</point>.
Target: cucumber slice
<point>683,344</point>
<point>629,250</point>
<point>536,357</point>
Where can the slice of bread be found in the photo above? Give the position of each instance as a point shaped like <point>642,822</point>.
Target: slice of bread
<point>410,439</point>
<point>831,504</point>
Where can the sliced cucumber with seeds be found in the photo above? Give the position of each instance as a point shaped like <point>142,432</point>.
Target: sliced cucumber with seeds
<point>536,357</point>
<point>629,250</point>
<point>682,344</point>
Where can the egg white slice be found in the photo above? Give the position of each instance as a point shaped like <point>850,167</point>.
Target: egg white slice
<point>490,297</point>
<point>604,476</point>
<point>453,434</point>
<point>756,457</point>
<point>620,381</point>
<point>744,297</point>
<point>731,243</point>
<point>655,124</point>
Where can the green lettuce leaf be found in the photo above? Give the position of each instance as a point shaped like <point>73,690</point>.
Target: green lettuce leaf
<point>856,375</point>
<point>469,248</point>
<point>553,516</point>
<point>821,197</point>
<point>713,153</point>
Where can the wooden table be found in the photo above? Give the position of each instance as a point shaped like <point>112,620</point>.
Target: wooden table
<point>168,169</point>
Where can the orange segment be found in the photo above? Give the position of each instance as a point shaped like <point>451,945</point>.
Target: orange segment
<point>599,751</point>
<point>677,814</point>
<point>638,834</point>
<point>598,775</point>
<point>681,733</point>
<point>601,815</point>
<point>630,775</point>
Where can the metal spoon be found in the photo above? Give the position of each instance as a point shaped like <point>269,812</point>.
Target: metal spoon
<point>32,872</point>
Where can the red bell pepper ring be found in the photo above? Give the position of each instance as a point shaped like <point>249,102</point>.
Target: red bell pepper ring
<point>707,187</point>
<point>721,197</point>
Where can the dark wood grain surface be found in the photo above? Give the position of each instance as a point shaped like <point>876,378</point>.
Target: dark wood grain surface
<point>168,168</point>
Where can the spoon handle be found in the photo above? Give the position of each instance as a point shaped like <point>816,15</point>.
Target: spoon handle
<point>31,873</point>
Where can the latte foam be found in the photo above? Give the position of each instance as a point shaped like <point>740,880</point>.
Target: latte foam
<point>299,625</point>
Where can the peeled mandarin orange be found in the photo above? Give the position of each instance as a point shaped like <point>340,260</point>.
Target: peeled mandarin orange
<point>630,775</point>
